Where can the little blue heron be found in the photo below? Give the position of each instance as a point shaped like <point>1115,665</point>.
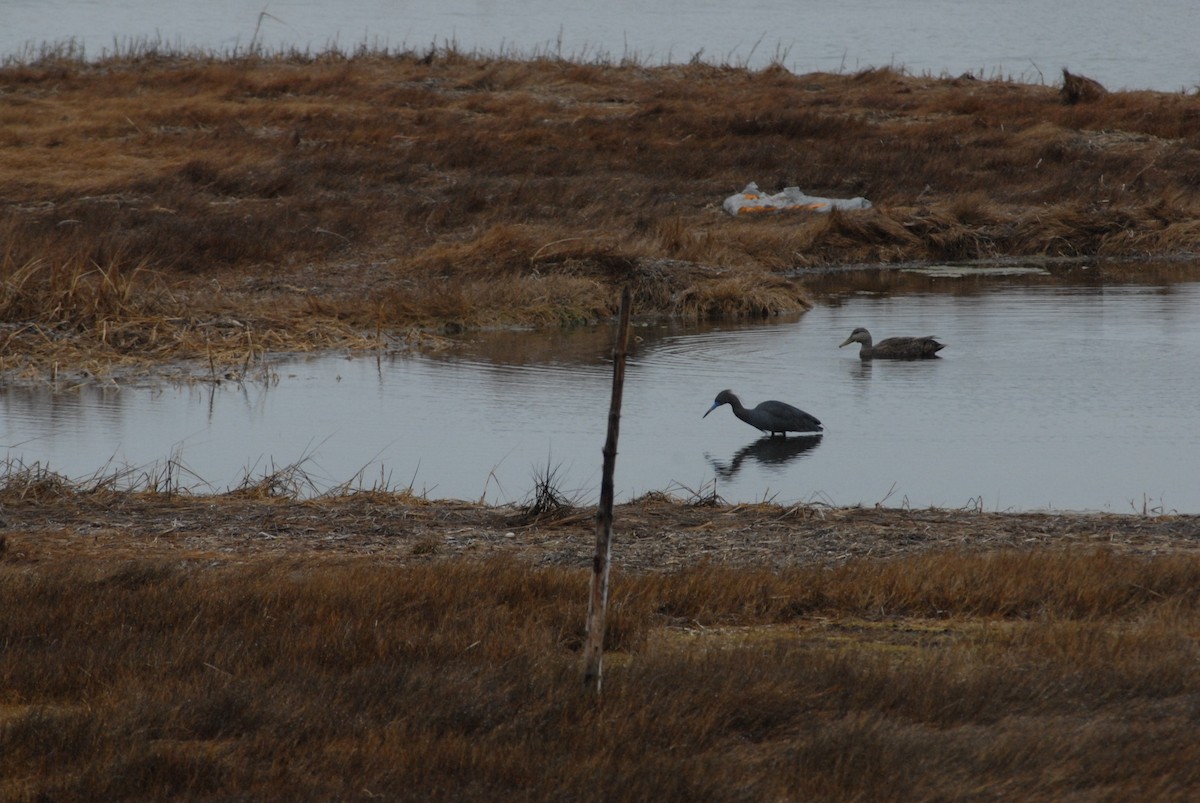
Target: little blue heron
<point>775,417</point>
<point>893,348</point>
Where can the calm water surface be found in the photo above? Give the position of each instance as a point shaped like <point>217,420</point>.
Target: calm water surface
<point>1047,397</point>
<point>1122,44</point>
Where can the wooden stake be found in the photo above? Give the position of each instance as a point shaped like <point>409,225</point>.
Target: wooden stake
<point>598,597</point>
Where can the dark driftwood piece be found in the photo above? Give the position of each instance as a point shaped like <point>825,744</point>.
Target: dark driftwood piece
<point>1080,89</point>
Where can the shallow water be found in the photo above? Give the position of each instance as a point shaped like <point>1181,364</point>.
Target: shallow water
<point>1121,44</point>
<point>1047,397</point>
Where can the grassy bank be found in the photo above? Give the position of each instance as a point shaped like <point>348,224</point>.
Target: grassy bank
<point>1044,675</point>
<point>161,206</point>
<point>159,645</point>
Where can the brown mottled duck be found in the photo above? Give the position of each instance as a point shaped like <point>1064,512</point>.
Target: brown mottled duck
<point>893,348</point>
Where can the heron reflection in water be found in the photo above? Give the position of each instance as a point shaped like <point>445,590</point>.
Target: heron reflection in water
<point>768,451</point>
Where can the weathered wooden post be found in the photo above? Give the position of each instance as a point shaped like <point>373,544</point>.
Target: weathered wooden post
<point>598,596</point>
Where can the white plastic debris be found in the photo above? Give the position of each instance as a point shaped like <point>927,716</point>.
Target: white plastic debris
<point>752,201</point>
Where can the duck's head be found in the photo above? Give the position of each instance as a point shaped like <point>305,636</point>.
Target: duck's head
<point>859,335</point>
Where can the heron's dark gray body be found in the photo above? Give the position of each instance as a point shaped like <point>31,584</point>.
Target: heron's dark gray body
<point>775,417</point>
<point>894,348</point>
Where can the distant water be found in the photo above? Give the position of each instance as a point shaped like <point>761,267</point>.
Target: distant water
<point>1123,44</point>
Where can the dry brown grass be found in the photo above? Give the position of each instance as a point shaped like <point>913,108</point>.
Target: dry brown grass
<point>1041,674</point>
<point>253,645</point>
<point>315,198</point>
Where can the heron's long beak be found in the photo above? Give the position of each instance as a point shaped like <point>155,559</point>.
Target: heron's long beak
<point>710,409</point>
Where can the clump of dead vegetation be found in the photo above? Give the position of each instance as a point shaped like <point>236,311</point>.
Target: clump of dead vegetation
<point>1080,88</point>
<point>311,197</point>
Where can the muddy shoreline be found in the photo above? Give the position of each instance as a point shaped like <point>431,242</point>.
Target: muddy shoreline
<point>656,533</point>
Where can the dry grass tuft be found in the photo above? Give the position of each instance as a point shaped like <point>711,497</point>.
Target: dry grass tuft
<point>76,294</point>
<point>33,483</point>
<point>546,500</point>
<point>744,295</point>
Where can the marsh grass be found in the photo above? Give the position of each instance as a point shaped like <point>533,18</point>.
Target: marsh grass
<point>310,194</point>
<point>257,644</point>
<point>547,499</point>
<point>1046,674</point>
<point>73,294</point>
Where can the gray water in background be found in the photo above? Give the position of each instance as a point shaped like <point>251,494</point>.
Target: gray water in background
<point>1122,44</point>
<point>1047,397</point>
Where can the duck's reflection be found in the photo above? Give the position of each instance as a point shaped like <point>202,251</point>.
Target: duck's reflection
<point>766,450</point>
<point>862,370</point>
